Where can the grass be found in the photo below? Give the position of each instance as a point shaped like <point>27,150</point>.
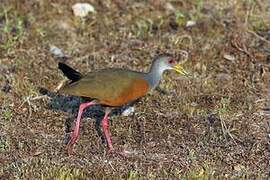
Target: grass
<point>211,125</point>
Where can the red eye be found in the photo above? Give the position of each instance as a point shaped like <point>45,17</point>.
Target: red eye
<point>171,61</point>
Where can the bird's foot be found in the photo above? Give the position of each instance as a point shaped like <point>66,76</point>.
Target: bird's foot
<point>71,142</point>
<point>69,149</point>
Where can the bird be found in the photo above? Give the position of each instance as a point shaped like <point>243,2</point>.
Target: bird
<point>113,87</point>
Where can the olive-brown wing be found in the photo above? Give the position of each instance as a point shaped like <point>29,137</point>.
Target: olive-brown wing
<point>112,87</point>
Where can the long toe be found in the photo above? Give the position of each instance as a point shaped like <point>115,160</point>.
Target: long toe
<point>69,149</point>
<point>71,142</point>
<point>73,138</point>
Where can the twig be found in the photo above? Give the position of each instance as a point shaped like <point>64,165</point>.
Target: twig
<point>242,49</point>
<point>28,101</point>
<point>60,85</point>
<point>39,97</point>
<point>29,107</point>
<point>258,36</point>
<point>29,98</point>
<point>223,129</point>
<point>226,131</point>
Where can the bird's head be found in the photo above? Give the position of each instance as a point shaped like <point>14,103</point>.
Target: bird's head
<point>167,62</point>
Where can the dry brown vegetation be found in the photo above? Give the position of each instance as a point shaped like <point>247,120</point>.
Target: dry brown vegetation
<point>214,124</point>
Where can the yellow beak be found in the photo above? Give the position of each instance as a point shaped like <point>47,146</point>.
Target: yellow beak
<point>179,68</point>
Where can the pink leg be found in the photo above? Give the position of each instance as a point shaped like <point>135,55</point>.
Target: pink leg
<point>75,133</point>
<point>105,127</point>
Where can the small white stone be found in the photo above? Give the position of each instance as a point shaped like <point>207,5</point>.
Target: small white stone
<point>190,23</point>
<point>194,104</point>
<point>56,51</point>
<point>229,57</point>
<point>82,9</point>
<point>128,111</point>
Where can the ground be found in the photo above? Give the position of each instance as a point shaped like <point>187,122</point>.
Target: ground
<point>212,124</point>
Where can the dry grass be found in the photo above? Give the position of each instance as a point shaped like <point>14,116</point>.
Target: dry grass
<point>214,124</point>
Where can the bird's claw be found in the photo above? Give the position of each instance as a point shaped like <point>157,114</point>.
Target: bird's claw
<point>71,142</point>
<point>69,149</point>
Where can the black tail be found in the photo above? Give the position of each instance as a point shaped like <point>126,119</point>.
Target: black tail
<point>69,72</point>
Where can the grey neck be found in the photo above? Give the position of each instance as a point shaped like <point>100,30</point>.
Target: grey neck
<point>154,75</point>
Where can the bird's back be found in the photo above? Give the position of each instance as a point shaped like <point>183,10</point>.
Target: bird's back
<point>113,87</point>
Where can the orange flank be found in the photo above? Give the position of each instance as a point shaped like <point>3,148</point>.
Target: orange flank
<point>137,89</point>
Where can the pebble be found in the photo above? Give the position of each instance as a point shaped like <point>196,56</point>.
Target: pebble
<point>82,9</point>
<point>128,111</point>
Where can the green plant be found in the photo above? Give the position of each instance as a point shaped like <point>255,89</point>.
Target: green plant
<point>7,115</point>
<point>11,31</point>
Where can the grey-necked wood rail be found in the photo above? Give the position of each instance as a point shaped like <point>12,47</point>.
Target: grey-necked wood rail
<point>113,87</point>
